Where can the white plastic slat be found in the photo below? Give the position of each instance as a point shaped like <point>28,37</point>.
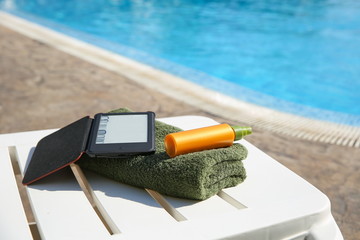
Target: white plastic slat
<point>61,209</point>
<point>137,215</point>
<point>30,137</point>
<point>13,223</point>
<point>130,208</point>
<point>251,224</point>
<point>192,209</point>
<point>280,185</point>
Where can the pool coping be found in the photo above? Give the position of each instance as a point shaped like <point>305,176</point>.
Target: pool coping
<point>188,92</point>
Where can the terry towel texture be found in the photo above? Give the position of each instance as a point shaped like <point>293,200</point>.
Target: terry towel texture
<point>198,175</point>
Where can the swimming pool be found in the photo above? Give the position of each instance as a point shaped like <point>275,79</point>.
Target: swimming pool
<point>294,56</point>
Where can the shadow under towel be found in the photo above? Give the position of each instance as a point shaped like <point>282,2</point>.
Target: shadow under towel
<point>198,175</point>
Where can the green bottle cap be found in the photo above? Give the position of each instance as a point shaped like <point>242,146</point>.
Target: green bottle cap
<point>241,132</point>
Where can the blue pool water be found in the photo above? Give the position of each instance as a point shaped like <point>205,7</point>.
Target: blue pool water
<point>297,56</point>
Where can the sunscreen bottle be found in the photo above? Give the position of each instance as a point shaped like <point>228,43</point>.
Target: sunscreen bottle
<point>222,135</point>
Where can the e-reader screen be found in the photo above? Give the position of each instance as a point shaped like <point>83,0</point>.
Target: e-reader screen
<point>122,129</point>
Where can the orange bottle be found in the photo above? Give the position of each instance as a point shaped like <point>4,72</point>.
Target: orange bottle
<point>222,135</point>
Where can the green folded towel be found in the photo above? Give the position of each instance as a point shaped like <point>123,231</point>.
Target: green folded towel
<point>198,175</point>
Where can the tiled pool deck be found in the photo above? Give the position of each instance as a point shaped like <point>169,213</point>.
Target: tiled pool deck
<point>42,87</point>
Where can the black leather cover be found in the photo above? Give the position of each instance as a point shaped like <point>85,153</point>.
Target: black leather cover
<point>58,150</point>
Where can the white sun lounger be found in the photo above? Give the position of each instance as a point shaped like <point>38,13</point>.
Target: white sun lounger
<point>272,203</point>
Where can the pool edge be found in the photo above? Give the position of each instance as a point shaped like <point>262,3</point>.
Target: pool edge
<point>188,92</point>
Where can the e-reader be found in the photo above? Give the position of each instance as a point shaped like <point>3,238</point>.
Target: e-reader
<point>107,135</point>
<point>114,135</point>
